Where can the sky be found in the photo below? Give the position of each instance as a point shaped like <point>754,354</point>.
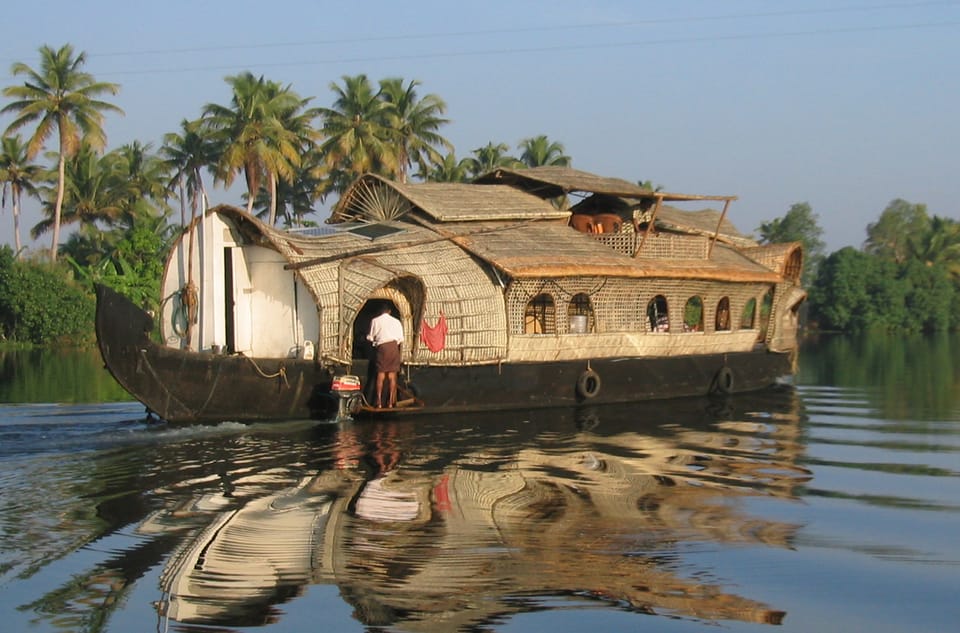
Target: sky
<point>842,104</point>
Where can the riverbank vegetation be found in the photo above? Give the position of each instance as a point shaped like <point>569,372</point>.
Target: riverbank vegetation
<point>125,207</point>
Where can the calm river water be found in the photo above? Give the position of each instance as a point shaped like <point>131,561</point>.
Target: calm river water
<point>833,505</point>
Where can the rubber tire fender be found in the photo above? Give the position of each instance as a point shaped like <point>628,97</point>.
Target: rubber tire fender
<point>588,384</point>
<point>723,382</point>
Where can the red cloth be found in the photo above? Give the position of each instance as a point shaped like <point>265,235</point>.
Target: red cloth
<point>434,337</point>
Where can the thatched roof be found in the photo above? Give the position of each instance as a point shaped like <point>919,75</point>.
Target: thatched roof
<point>520,249</point>
<point>543,250</point>
<point>703,222</point>
<point>699,222</point>
<point>372,197</point>
<point>786,258</point>
<point>551,182</point>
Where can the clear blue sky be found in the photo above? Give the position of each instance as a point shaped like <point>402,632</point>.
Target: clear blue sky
<point>845,104</point>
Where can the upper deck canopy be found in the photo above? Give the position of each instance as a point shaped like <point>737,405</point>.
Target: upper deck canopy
<point>551,182</point>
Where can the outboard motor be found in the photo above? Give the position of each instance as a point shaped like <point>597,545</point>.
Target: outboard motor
<point>346,389</point>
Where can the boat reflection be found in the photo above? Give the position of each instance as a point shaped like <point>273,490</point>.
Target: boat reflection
<point>425,526</point>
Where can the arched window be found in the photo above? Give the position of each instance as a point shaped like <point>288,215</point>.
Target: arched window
<point>540,316</point>
<point>722,322</point>
<point>580,313</point>
<point>693,315</point>
<point>766,306</point>
<point>657,314</point>
<point>749,319</point>
<point>793,267</point>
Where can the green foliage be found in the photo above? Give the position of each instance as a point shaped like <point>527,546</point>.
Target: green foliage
<point>693,314</point>
<point>928,296</point>
<point>131,262</point>
<point>907,278</point>
<point>857,291</point>
<point>41,304</point>
<point>798,225</point>
<point>841,290</point>
<point>894,234</point>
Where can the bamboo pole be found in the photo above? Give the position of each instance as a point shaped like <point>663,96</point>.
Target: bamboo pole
<point>726,206</point>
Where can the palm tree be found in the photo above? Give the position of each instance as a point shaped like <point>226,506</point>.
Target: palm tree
<point>490,157</point>
<point>900,223</point>
<point>143,178</point>
<point>19,175</point>
<point>186,153</point>
<point>539,151</point>
<point>358,134</point>
<point>296,196</point>
<point>939,244</point>
<point>449,169</point>
<point>252,133</point>
<point>90,193</point>
<point>59,97</point>
<point>415,122</point>
<point>299,180</point>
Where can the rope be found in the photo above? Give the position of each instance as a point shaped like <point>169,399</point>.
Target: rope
<point>281,373</point>
<point>185,310</point>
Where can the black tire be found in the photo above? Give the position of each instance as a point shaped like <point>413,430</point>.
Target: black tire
<point>723,382</point>
<point>588,384</point>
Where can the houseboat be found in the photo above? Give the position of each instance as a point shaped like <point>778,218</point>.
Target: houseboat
<point>524,288</point>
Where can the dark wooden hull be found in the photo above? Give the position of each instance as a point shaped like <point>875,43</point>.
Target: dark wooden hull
<point>182,386</point>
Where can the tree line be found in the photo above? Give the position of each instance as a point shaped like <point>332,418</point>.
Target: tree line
<point>129,204</point>
<point>905,277</point>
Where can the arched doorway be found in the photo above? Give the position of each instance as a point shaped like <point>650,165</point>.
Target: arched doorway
<point>362,349</point>
<point>405,296</point>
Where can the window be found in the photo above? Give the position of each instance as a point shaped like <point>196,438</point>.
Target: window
<point>723,315</point>
<point>580,313</point>
<point>748,321</point>
<point>657,314</point>
<point>693,315</point>
<point>794,266</point>
<point>766,306</point>
<point>540,316</point>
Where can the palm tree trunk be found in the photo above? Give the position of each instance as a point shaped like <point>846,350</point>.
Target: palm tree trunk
<point>183,201</point>
<point>273,198</point>
<point>15,195</point>
<point>252,187</point>
<point>58,207</point>
<point>203,192</point>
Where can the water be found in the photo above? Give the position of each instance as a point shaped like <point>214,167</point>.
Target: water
<point>831,506</point>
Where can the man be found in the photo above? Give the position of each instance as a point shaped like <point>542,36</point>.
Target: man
<point>386,334</point>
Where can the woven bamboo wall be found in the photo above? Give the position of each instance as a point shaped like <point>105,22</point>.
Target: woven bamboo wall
<point>620,305</point>
<point>620,313</point>
<point>460,289</point>
<point>659,245</point>
<point>538,347</point>
<point>673,246</point>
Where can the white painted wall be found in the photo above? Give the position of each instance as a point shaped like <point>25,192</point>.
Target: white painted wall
<point>273,312</point>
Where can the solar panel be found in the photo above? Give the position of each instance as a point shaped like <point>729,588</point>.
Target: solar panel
<point>314,231</point>
<point>374,231</point>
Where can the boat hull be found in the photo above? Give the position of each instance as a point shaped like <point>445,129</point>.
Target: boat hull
<point>185,386</point>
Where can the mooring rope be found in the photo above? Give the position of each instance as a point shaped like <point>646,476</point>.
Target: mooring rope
<point>281,373</point>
